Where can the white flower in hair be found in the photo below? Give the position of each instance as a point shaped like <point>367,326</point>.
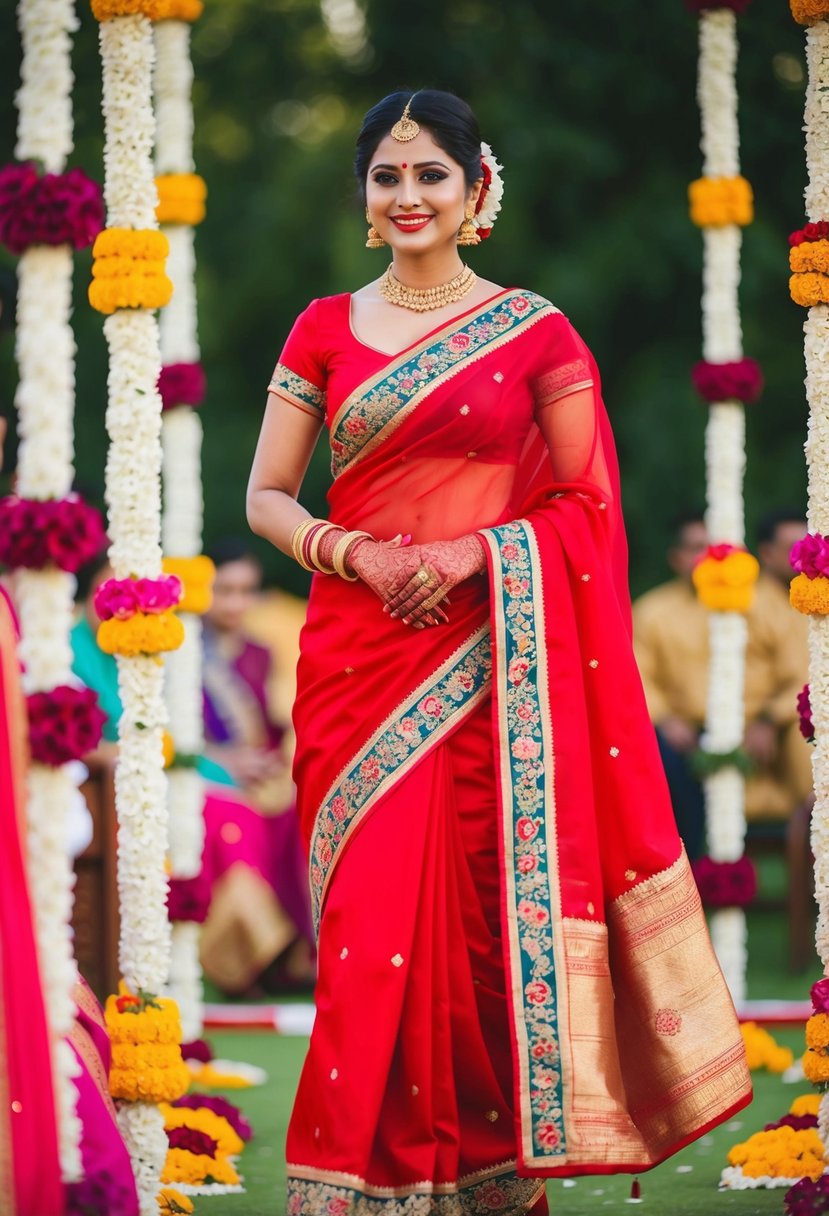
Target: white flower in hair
<point>489,203</point>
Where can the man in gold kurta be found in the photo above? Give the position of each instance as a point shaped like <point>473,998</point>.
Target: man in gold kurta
<point>671,644</point>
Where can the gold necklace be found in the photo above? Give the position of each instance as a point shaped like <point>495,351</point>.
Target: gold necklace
<point>424,299</point>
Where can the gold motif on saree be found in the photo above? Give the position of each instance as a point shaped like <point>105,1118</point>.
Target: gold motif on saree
<point>297,389</point>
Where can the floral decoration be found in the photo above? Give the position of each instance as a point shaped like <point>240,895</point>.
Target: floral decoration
<point>207,1122</point>
<point>143,634</point>
<point>810,232</point>
<point>762,1051</point>
<point>173,1203</point>
<point>200,1050</point>
<point>807,12</point>
<point>145,1032</point>
<point>738,380</point>
<point>804,713</point>
<point>810,555</point>
<point>36,534</point>
<point>64,724</point>
<point>717,201</point>
<point>182,384</point>
<point>219,1106</point>
<point>48,208</point>
<point>189,899</point>
<point>809,595</point>
<point>186,1168</point>
<point>192,1141</point>
<point>809,255</point>
<point>122,598</point>
<point>725,884</point>
<point>197,575</point>
<point>156,10</point>
<point>129,270</point>
<point>808,1197</point>
<point>492,191</point>
<point>705,762</point>
<point>181,198</point>
<point>781,1153</point>
<point>725,578</point>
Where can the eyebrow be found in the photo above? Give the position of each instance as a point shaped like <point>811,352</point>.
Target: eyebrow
<point>421,165</point>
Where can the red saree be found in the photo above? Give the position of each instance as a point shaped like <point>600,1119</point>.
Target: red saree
<point>515,979</point>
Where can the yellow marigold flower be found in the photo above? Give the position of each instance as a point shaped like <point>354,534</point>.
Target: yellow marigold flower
<point>202,1119</point>
<point>196,574</point>
<point>193,1168</point>
<point>807,12</point>
<point>210,1078</point>
<point>809,287</point>
<point>129,291</point>
<point>145,1055</point>
<point>817,1031</point>
<point>716,201</point>
<point>159,1023</point>
<point>171,1203</point>
<point>810,255</point>
<point>816,1066</point>
<point>810,595</point>
<point>727,585</point>
<point>144,633</point>
<point>780,1153</point>
<point>156,10</point>
<point>168,748</point>
<point>146,244</point>
<point>140,1084</point>
<point>806,1104</point>
<point>762,1051</point>
<point>181,198</point>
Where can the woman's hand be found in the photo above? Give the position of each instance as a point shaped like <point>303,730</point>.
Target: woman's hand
<point>441,566</point>
<point>387,565</point>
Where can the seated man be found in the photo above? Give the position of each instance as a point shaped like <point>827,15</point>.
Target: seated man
<point>671,642</point>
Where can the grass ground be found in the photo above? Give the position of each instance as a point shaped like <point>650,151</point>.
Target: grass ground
<point>686,1185</point>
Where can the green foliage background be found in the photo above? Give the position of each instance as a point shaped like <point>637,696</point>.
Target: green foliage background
<point>592,109</point>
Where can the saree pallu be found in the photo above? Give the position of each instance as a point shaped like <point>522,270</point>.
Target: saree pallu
<point>29,1166</point>
<point>515,978</point>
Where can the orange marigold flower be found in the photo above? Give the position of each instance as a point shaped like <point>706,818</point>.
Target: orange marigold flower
<point>727,584</point>
<point>807,12</point>
<point>144,633</point>
<point>716,201</point>
<point>810,255</point>
<point>806,1104</point>
<point>810,595</point>
<point>197,575</point>
<point>181,198</point>
<point>173,1203</point>
<point>809,287</point>
<point>817,1031</point>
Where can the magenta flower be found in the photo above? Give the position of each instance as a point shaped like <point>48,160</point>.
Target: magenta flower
<point>725,884</point>
<point>62,532</point>
<point>740,380</point>
<point>808,1198</point>
<point>699,6</point>
<point>64,724</point>
<point>820,996</point>
<point>192,1141</point>
<point>49,208</point>
<point>123,597</point>
<point>181,384</point>
<point>199,1050</point>
<point>219,1106</point>
<point>810,556</point>
<point>189,899</point>
<point>804,709</point>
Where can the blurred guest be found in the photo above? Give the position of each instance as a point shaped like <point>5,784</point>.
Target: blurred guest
<point>672,647</point>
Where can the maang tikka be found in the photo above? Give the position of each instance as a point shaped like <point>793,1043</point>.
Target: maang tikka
<point>405,128</point>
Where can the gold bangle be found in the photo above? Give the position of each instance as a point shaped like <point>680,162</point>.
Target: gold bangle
<point>338,557</point>
<point>298,536</point>
<point>313,551</point>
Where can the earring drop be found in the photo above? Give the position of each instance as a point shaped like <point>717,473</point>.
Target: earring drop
<point>468,233</point>
<point>373,237</point>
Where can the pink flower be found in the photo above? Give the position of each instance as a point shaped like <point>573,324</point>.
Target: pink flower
<point>525,909</point>
<point>355,426</point>
<point>525,828</point>
<point>158,594</point>
<point>527,863</point>
<point>295,1203</point>
<point>519,305</point>
<point>407,383</point>
<point>338,1206</point>
<point>408,724</point>
<point>524,711</point>
<point>459,341</point>
<point>525,748</point>
<point>544,1047</point>
<point>740,380</point>
<point>370,769</point>
<point>116,598</point>
<point>810,556</point>
<point>516,587</point>
<point>517,671</point>
<point>181,384</point>
<point>509,552</point>
<point>547,1135</point>
<point>820,996</point>
<point>324,852</point>
<point>537,992</point>
<point>64,724</point>
<point>339,807</point>
<point>432,706</point>
<point>804,710</point>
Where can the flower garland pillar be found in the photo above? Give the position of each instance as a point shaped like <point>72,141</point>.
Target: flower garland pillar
<point>46,532</point>
<point>721,203</point>
<point>809,285</point>
<point>129,283</point>
<point>181,206</point>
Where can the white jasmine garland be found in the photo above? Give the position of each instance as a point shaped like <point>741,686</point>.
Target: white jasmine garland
<point>725,462</point>
<point>45,601</point>
<point>732,1178</point>
<point>127,55</point>
<point>817,122</point>
<point>45,350</point>
<point>142,1127</point>
<point>729,937</point>
<point>185,986</point>
<point>179,341</point>
<point>488,214</point>
<point>717,92</point>
<point>44,99</point>
<point>173,107</point>
<point>183,500</point>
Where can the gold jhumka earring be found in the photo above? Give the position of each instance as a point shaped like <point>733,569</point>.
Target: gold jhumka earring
<point>468,233</point>
<point>373,238</point>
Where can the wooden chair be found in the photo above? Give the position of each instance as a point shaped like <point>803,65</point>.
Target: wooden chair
<point>95,917</point>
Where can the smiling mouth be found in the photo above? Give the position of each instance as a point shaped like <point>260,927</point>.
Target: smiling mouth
<point>411,223</point>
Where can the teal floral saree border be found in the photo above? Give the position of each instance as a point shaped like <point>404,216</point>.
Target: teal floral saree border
<point>414,728</point>
<point>526,763</point>
<point>494,1194</point>
<point>382,402</point>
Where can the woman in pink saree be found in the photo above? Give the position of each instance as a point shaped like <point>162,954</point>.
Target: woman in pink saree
<point>515,978</point>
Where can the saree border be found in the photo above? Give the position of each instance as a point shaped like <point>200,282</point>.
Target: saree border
<point>495,1190</point>
<point>297,390</point>
<point>536,957</point>
<point>378,406</point>
<point>402,739</point>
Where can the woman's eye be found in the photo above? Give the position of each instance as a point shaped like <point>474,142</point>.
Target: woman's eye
<point>432,175</point>
<point>384,179</point>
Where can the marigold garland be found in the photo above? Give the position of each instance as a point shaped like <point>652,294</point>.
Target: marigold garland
<point>197,575</point>
<point>173,1203</point>
<point>129,270</point>
<point>780,1153</point>
<point>817,1031</point>
<point>143,633</point>
<point>809,287</point>
<point>194,1169</point>
<point>716,201</point>
<point>809,595</point>
<point>807,12</point>
<point>145,1031</point>
<point>156,10</point>
<point>810,255</point>
<point>763,1051</point>
<point>181,198</point>
<point>202,1119</point>
<point>725,578</point>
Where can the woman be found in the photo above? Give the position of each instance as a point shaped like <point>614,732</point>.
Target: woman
<point>515,979</point>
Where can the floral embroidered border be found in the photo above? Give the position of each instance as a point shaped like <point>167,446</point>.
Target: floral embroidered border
<point>533,902</point>
<point>504,1194</point>
<point>297,389</point>
<point>453,690</point>
<point>391,396</point>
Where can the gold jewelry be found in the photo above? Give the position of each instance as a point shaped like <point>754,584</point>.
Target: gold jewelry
<point>434,598</point>
<point>423,575</point>
<point>424,299</point>
<point>468,233</point>
<point>405,128</point>
<point>314,548</point>
<point>341,550</point>
<point>298,536</point>
<point>373,239</point>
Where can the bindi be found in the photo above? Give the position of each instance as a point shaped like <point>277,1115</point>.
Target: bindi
<point>405,166</point>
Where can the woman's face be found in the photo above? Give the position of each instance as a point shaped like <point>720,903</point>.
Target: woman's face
<point>416,194</point>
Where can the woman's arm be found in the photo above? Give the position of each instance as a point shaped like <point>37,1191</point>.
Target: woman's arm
<point>286,443</point>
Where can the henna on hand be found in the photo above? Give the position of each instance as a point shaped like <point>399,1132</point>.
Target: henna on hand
<point>386,565</point>
<point>445,565</point>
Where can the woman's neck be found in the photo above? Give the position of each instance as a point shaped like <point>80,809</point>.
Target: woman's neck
<point>429,270</point>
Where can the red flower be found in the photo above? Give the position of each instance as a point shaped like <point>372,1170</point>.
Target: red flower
<point>192,1141</point>
<point>820,996</point>
<point>740,380</point>
<point>64,724</point>
<point>525,829</point>
<point>189,899</point>
<point>527,864</point>
<point>459,341</point>
<point>547,1135</point>
<point>52,209</point>
<point>181,384</point>
<point>62,532</point>
<point>538,992</point>
<point>126,1002</point>
<point>725,884</point>
<point>811,232</point>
